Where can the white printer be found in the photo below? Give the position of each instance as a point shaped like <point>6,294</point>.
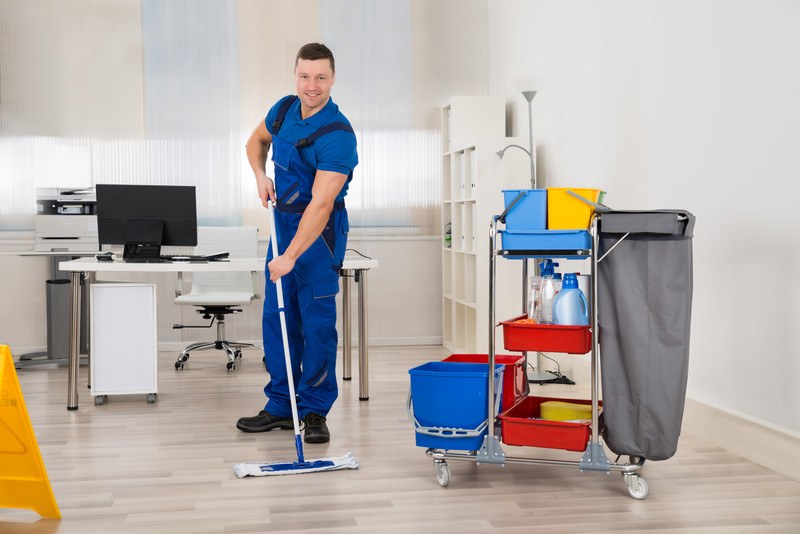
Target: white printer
<point>66,220</point>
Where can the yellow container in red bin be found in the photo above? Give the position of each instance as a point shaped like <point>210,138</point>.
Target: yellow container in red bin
<point>565,212</point>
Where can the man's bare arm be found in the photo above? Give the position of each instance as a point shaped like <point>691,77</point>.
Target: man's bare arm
<point>257,148</point>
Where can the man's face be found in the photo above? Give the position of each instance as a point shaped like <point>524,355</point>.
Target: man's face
<point>314,79</point>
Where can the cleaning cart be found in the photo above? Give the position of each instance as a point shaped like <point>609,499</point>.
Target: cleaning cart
<point>521,425</point>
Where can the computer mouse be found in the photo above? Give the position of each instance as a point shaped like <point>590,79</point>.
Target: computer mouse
<point>106,256</point>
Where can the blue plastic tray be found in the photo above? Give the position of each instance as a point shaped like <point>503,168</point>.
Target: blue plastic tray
<point>546,240</point>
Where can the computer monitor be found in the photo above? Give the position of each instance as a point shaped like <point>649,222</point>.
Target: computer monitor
<point>144,218</point>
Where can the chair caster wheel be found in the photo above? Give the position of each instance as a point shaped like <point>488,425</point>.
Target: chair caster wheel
<point>179,366</point>
<point>231,366</point>
<point>238,354</point>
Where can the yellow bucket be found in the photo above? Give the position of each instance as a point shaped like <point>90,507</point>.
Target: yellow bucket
<point>565,212</point>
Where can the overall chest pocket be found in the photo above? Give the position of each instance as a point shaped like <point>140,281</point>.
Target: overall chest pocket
<point>281,153</point>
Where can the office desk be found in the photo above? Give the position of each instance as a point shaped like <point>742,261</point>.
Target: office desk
<point>83,266</point>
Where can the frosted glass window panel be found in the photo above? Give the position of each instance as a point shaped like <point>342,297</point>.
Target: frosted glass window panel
<point>191,97</point>
<point>191,76</point>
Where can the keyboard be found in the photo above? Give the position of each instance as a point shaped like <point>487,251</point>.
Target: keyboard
<point>197,257</point>
<point>175,258</point>
<point>147,260</point>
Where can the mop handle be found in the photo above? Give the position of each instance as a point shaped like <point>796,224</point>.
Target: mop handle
<point>284,334</point>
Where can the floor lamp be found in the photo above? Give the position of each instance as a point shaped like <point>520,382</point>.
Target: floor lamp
<point>540,376</point>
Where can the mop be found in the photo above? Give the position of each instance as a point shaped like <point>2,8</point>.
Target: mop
<point>301,465</point>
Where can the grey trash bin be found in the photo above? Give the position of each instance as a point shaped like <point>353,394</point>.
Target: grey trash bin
<point>58,303</point>
<point>644,313</point>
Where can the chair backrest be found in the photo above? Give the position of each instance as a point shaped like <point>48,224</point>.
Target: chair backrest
<point>239,242</point>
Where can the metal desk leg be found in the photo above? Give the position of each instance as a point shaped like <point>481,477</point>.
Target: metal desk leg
<point>347,335</point>
<point>363,345</point>
<point>74,341</point>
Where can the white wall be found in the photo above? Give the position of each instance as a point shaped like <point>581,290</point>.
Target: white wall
<point>682,104</point>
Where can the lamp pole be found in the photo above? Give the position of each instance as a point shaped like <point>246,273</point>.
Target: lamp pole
<point>529,97</point>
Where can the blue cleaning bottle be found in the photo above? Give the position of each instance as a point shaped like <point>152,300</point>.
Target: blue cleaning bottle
<point>570,306</point>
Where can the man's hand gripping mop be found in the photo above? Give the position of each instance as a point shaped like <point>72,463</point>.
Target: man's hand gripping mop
<point>301,465</point>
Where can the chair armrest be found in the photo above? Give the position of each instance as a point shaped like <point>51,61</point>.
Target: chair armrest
<point>256,284</point>
<point>179,285</point>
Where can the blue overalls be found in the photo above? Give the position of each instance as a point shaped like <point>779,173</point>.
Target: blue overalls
<point>309,289</point>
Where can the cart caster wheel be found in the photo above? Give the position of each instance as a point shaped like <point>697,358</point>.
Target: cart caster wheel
<point>637,487</point>
<point>442,473</point>
<point>231,366</point>
<point>237,354</point>
<point>151,398</point>
<point>99,400</point>
<point>179,366</point>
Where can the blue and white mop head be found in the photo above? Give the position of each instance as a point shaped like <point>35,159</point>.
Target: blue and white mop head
<point>295,468</point>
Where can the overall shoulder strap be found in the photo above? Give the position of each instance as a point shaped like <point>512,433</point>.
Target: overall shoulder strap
<point>328,128</point>
<point>282,111</point>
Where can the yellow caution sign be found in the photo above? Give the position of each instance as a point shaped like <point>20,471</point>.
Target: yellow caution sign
<point>23,478</point>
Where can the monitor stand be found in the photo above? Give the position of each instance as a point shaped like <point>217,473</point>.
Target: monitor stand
<point>141,251</point>
<point>143,240</point>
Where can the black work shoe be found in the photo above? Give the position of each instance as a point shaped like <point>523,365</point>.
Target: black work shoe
<point>263,422</point>
<point>316,429</point>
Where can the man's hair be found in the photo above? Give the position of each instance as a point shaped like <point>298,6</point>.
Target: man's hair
<point>314,51</point>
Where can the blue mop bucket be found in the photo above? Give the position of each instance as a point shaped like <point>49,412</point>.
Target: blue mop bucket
<point>447,403</point>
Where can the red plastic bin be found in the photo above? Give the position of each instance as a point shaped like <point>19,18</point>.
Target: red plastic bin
<point>515,380</point>
<point>546,337</point>
<point>521,427</point>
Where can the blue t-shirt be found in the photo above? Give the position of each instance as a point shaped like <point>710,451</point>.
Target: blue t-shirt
<point>334,151</point>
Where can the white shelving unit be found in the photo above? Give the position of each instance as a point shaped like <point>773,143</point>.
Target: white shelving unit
<point>473,177</point>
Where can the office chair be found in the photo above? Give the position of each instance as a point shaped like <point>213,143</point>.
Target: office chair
<point>220,294</point>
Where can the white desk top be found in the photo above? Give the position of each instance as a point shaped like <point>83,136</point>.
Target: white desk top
<point>72,253</point>
<point>234,264</point>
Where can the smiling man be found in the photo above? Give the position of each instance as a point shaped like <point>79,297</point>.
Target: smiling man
<point>314,154</point>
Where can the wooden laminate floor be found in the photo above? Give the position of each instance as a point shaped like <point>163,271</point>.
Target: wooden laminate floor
<point>131,467</point>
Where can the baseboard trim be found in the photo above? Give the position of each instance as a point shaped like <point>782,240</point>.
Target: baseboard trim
<point>177,346</point>
<point>757,442</point>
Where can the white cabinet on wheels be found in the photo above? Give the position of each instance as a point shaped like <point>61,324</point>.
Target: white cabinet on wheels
<point>123,340</point>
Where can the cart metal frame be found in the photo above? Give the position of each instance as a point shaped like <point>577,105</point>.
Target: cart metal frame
<point>491,452</point>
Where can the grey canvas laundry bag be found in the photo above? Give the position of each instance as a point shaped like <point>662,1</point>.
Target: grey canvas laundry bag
<point>644,314</point>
